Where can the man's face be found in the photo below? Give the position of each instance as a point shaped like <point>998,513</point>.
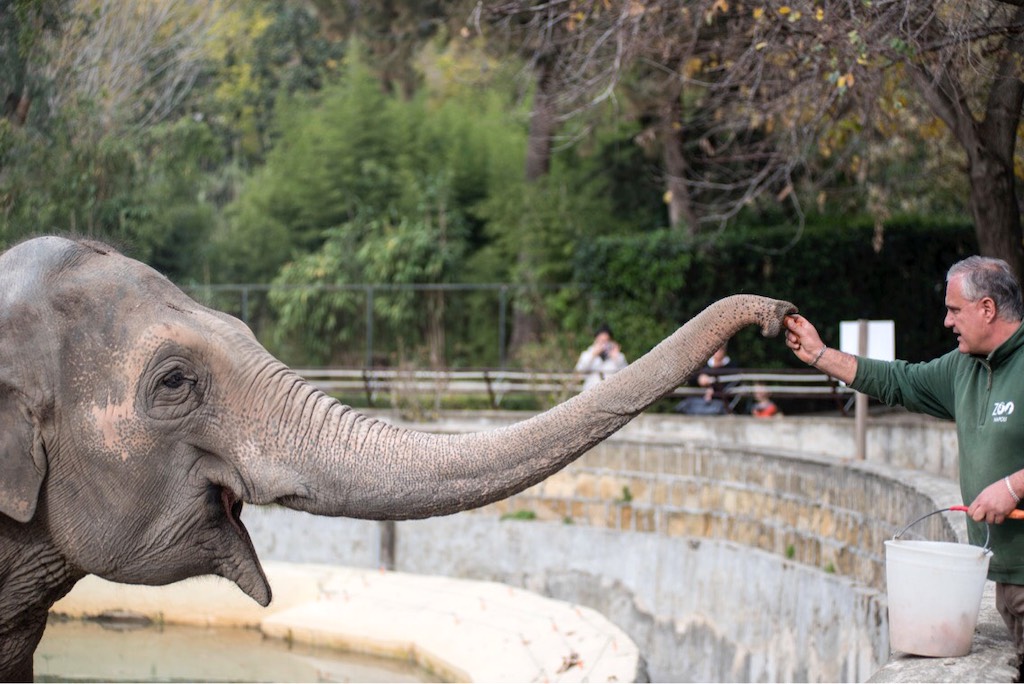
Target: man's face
<point>967,319</point>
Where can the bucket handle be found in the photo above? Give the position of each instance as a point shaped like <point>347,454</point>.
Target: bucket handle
<point>988,532</point>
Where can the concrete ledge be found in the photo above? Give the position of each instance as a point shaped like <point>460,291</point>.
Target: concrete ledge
<point>459,629</point>
<point>992,657</point>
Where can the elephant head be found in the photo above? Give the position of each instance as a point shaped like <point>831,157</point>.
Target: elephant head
<point>135,422</point>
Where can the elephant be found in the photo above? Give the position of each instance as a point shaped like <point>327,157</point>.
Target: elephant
<point>135,423</point>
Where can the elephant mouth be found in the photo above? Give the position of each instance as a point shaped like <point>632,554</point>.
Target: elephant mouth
<point>232,506</point>
<point>247,574</point>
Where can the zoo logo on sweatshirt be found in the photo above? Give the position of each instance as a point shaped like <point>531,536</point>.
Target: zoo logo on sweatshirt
<point>1001,411</point>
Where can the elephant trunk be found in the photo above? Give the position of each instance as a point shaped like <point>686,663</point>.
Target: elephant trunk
<point>336,461</point>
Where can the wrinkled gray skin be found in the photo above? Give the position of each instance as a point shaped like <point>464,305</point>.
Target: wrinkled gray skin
<point>134,422</point>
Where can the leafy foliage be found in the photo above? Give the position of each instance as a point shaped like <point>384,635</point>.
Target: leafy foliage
<point>323,146</point>
<point>843,270</point>
<point>142,191</point>
<point>262,51</point>
<point>371,188</point>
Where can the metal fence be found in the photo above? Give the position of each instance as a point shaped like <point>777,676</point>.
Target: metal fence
<point>492,306</point>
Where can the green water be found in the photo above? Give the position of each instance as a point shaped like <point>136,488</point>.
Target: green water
<point>83,651</point>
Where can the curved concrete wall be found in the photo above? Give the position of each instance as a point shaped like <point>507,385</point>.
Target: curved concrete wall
<point>459,630</point>
<point>700,610</point>
<point>723,556</point>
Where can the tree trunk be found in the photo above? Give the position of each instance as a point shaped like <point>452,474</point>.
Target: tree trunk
<point>994,202</point>
<point>542,126</point>
<point>994,206</point>
<point>435,328</point>
<point>681,215</point>
<point>526,317</point>
<point>989,146</point>
<point>16,108</point>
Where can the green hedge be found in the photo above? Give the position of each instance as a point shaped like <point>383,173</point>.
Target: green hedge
<point>832,270</point>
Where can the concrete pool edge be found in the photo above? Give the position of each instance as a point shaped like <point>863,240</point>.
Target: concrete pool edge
<point>462,630</point>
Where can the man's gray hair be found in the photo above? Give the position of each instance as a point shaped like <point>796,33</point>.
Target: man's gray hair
<point>990,277</point>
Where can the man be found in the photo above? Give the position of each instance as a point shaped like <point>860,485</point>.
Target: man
<point>978,385</point>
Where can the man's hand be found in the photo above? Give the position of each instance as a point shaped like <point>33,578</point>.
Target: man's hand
<point>993,505</point>
<point>805,342</point>
<point>802,338</point>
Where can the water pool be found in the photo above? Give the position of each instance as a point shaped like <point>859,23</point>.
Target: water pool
<point>79,651</point>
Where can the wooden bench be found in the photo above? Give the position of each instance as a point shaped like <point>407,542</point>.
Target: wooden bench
<point>375,383</point>
<point>795,383</point>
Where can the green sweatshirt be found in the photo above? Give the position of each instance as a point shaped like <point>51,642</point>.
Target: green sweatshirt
<point>980,394</point>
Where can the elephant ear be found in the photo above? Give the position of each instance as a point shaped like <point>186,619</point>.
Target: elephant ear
<point>27,288</point>
<point>22,458</point>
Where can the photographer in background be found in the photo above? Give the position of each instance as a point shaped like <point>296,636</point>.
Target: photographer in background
<point>600,359</point>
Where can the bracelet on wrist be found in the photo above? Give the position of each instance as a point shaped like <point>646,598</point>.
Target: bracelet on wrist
<point>817,357</point>
<point>1009,488</point>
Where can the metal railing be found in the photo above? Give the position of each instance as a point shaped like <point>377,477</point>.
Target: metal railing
<point>375,383</point>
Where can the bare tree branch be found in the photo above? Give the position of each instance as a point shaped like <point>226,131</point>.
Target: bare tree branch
<point>135,59</point>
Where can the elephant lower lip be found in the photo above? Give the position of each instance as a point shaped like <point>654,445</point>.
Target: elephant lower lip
<point>242,567</point>
<point>232,509</point>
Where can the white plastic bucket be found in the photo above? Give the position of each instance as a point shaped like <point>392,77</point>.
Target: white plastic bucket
<point>934,593</point>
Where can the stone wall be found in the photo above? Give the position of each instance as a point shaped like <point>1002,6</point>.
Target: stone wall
<point>725,557</point>
<point>893,437</point>
<point>820,512</point>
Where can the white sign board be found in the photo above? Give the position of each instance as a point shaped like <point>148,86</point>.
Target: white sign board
<point>881,339</point>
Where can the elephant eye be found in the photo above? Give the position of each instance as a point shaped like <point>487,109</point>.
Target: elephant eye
<point>176,385</point>
<point>174,380</point>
